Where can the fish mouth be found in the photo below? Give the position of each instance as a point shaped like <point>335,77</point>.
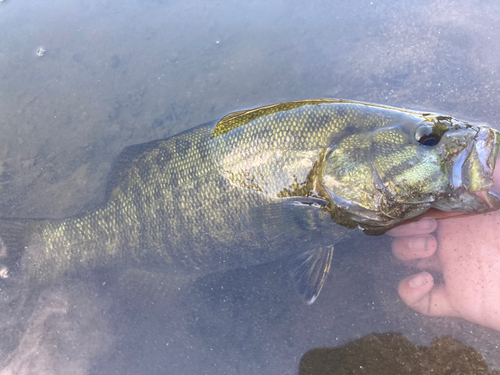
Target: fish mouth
<point>473,175</point>
<point>490,198</point>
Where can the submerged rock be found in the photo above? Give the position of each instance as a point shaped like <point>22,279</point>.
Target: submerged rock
<point>393,353</point>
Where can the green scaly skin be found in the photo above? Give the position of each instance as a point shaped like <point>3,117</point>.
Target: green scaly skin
<point>182,203</point>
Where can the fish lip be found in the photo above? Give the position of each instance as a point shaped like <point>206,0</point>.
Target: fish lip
<point>490,198</point>
<point>487,153</point>
<point>486,150</point>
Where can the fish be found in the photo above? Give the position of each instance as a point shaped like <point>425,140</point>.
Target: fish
<point>289,180</point>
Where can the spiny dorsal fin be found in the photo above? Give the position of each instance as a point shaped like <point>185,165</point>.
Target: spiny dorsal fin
<point>240,118</point>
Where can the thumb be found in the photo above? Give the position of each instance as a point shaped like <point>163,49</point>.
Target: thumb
<point>419,293</point>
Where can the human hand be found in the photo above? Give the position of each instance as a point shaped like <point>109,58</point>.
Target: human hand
<point>466,250</point>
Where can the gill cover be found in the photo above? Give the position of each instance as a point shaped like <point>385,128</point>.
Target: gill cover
<point>396,172</point>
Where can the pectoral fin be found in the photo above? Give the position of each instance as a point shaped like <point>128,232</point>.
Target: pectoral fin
<point>288,217</point>
<point>310,270</point>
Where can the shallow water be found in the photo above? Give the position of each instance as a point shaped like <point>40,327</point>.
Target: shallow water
<point>116,73</point>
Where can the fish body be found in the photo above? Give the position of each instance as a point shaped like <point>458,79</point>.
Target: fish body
<point>290,179</point>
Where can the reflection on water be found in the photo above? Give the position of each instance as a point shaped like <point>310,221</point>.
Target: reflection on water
<point>116,73</point>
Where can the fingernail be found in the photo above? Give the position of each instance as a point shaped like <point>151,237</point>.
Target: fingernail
<point>418,243</point>
<point>418,280</point>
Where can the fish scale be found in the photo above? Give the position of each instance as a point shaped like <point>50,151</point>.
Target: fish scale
<point>290,179</point>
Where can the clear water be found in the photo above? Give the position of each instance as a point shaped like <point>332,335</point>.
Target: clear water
<point>116,73</point>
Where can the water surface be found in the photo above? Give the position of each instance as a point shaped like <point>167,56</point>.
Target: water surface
<point>116,73</point>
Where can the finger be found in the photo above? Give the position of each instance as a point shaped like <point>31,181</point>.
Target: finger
<point>414,247</point>
<point>436,214</point>
<point>496,176</point>
<point>424,226</point>
<point>420,294</point>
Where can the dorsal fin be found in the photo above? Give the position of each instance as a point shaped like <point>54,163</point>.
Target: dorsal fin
<point>125,160</point>
<point>131,154</point>
<point>240,118</point>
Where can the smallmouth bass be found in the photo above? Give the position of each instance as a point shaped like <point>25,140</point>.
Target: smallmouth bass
<point>291,179</point>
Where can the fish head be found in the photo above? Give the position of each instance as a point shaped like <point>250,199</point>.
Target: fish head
<point>379,178</point>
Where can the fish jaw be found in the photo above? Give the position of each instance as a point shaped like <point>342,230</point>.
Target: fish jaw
<point>472,176</point>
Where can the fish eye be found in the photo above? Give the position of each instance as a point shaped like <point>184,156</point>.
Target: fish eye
<point>426,136</point>
<point>429,140</point>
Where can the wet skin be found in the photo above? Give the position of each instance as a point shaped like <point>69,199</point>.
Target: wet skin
<point>466,250</point>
